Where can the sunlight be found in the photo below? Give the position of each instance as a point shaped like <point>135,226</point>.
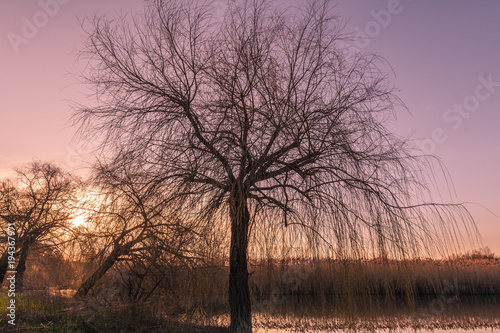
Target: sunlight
<point>78,220</point>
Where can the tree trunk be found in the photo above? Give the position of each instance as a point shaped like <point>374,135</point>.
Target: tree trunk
<point>4,265</point>
<point>99,273</point>
<point>239,292</point>
<point>21,265</point>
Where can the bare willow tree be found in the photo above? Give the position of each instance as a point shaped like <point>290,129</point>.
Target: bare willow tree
<point>260,116</point>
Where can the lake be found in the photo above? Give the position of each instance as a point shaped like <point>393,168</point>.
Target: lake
<point>442,313</point>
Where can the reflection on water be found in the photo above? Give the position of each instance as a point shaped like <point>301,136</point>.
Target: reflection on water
<point>449,313</point>
<point>407,330</point>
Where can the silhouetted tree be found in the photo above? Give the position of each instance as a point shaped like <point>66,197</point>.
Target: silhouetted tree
<point>39,200</point>
<point>131,217</point>
<point>261,115</point>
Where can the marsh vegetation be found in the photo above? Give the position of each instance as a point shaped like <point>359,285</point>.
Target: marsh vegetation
<point>294,295</point>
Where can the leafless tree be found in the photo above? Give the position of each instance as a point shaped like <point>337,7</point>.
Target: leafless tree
<point>260,116</point>
<point>130,219</point>
<point>39,200</point>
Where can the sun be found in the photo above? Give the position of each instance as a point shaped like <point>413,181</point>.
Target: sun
<point>78,220</point>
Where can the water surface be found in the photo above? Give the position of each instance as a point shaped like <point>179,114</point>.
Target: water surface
<point>437,313</point>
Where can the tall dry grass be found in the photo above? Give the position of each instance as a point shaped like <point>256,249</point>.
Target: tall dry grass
<point>352,287</point>
<point>377,277</point>
<point>338,293</point>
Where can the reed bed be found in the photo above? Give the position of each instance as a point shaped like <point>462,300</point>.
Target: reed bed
<point>295,294</point>
<point>377,277</point>
<point>337,294</point>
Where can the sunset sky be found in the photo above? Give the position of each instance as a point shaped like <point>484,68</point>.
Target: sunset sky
<point>445,56</point>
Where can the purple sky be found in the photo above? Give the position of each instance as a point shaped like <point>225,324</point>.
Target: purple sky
<point>445,56</point>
